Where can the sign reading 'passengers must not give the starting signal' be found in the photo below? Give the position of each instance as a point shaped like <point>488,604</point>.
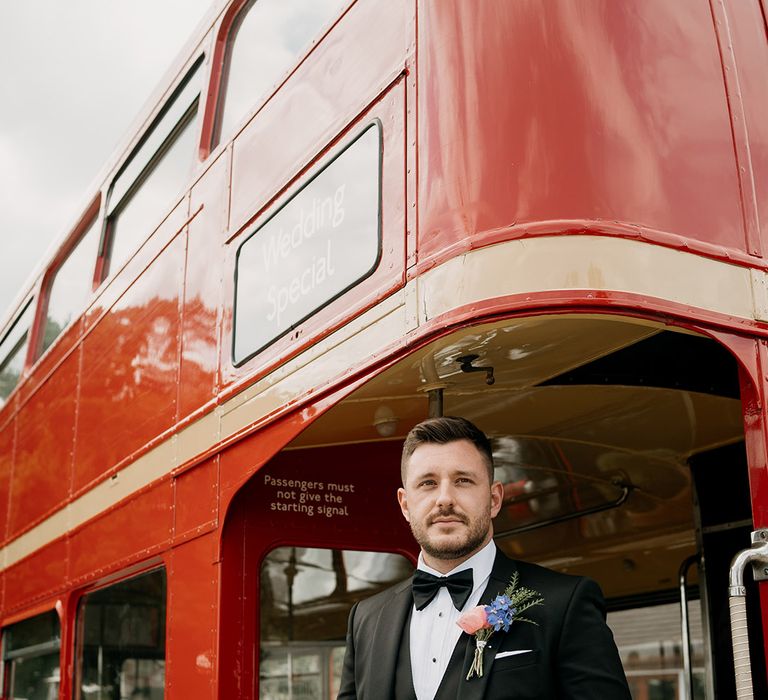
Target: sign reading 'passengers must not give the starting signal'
<point>324,240</point>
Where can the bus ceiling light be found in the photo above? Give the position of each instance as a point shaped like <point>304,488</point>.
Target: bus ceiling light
<point>385,421</point>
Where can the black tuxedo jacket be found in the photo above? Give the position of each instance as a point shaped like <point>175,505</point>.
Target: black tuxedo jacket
<point>569,655</point>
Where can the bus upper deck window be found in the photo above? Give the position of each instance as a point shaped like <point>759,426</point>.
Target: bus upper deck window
<point>322,241</point>
<point>31,657</point>
<point>265,39</point>
<point>13,351</point>
<point>70,285</point>
<point>155,172</point>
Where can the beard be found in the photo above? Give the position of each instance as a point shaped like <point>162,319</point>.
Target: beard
<point>456,546</point>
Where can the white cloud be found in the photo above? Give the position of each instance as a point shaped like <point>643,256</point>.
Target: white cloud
<point>74,78</point>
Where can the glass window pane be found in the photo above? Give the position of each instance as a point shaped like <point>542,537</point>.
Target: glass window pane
<point>33,632</point>
<point>31,658</point>
<point>122,641</point>
<point>71,286</point>
<point>142,210</point>
<point>10,370</point>
<point>306,596</point>
<point>548,478</point>
<point>266,39</point>
<point>13,352</point>
<point>35,678</point>
<point>187,93</point>
<point>160,167</point>
<point>321,242</point>
<point>650,646</point>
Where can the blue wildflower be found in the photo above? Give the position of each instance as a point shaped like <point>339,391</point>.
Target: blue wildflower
<point>500,613</point>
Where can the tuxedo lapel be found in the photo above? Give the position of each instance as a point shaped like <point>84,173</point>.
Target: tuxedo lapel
<point>474,688</point>
<point>387,638</point>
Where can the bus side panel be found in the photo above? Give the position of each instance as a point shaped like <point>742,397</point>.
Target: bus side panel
<point>753,354</point>
<point>158,238</point>
<point>6,469</point>
<point>610,111</point>
<point>362,54</point>
<point>750,48</point>
<point>64,345</point>
<point>192,619</point>
<point>134,529</point>
<point>42,470</point>
<point>196,499</point>
<point>202,288</point>
<point>130,370</point>
<point>238,635</point>
<point>388,275</point>
<point>37,576</point>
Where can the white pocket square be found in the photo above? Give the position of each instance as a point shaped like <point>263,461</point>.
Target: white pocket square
<point>502,654</point>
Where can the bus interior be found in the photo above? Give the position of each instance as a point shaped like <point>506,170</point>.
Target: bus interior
<point>620,445</point>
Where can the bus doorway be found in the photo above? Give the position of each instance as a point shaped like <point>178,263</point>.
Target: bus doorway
<point>620,445</point>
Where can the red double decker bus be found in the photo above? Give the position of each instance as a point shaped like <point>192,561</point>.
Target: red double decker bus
<point>343,216</point>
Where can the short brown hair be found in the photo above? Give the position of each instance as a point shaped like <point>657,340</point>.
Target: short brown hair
<point>441,431</point>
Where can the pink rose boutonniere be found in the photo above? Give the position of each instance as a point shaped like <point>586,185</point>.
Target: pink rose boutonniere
<point>475,621</point>
<point>484,620</point>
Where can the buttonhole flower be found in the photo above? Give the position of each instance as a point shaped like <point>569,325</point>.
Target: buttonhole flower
<point>483,620</point>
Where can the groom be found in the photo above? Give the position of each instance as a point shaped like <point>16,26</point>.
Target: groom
<point>404,643</point>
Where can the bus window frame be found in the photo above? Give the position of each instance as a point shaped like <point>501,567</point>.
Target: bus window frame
<point>76,620</point>
<point>211,141</point>
<point>351,138</point>
<point>112,209</point>
<point>89,218</point>
<point>27,337</point>
<point>38,649</point>
<point>317,543</point>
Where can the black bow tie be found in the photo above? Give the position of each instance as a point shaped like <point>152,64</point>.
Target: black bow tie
<point>426,586</point>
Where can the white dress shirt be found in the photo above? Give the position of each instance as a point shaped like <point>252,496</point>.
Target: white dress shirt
<point>433,629</point>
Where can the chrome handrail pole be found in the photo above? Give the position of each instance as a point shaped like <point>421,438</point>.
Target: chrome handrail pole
<point>685,632</point>
<point>737,603</point>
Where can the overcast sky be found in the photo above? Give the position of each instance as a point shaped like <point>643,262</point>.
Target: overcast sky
<point>75,74</point>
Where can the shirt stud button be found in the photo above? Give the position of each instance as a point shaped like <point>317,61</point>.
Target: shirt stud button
<point>434,661</point>
<point>440,614</point>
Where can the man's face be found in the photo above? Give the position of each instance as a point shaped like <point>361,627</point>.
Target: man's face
<point>448,500</point>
